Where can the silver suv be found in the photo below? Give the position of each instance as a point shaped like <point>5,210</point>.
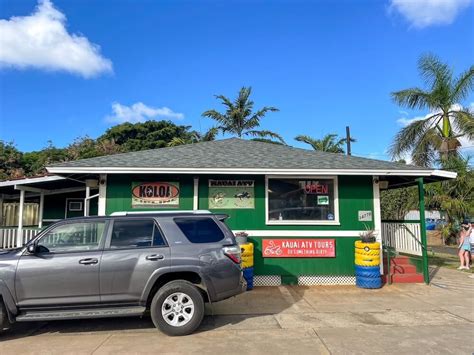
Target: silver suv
<point>126,264</point>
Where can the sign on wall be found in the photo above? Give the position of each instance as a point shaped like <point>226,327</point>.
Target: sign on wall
<point>155,194</point>
<point>298,248</point>
<point>365,216</point>
<point>231,194</point>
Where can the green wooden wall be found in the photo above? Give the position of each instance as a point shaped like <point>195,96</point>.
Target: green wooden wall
<point>355,193</point>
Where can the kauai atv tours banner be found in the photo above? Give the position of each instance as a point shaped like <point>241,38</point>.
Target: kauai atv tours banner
<point>231,194</point>
<point>155,194</point>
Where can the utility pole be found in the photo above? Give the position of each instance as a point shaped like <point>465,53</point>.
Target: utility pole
<point>348,140</point>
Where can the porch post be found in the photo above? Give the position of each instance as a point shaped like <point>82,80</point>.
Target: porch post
<point>377,216</point>
<point>421,198</point>
<point>19,240</point>
<point>196,194</point>
<point>41,208</point>
<point>87,201</point>
<point>102,195</point>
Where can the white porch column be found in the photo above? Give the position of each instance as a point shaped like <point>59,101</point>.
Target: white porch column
<point>196,194</point>
<point>1,210</point>
<point>41,209</point>
<point>102,195</point>
<point>19,240</point>
<point>377,216</point>
<point>87,201</point>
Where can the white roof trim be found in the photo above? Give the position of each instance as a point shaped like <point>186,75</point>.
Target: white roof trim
<point>151,170</point>
<point>33,180</point>
<point>445,174</point>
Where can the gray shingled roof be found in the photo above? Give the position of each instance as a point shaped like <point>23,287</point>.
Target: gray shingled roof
<point>235,153</point>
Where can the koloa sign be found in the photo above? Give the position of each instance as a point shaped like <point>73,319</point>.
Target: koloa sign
<point>299,248</point>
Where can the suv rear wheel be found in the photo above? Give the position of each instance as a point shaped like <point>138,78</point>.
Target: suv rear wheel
<point>177,308</point>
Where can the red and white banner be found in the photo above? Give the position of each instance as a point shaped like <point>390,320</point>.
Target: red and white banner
<point>299,248</point>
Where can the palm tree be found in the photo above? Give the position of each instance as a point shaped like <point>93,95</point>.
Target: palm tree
<point>437,134</point>
<point>329,143</point>
<point>195,137</point>
<point>239,118</point>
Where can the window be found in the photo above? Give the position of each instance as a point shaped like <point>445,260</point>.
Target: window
<point>302,201</point>
<point>71,237</point>
<point>135,233</point>
<point>200,230</point>
<point>74,206</point>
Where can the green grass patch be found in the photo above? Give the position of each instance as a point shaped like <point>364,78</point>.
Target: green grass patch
<point>445,260</point>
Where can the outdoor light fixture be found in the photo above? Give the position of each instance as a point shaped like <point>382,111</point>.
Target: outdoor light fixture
<point>92,183</point>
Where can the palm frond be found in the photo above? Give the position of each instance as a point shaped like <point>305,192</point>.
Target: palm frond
<point>265,133</point>
<point>254,120</point>
<point>434,71</point>
<point>463,85</point>
<point>308,140</point>
<point>464,123</point>
<point>407,137</point>
<point>413,98</point>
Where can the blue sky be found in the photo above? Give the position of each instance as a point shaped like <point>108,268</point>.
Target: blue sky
<point>324,64</point>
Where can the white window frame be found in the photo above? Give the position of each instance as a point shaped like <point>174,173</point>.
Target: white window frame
<point>335,222</point>
<point>73,200</point>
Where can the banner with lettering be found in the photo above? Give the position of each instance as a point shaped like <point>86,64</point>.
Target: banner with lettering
<point>298,248</point>
<point>231,194</point>
<point>155,194</point>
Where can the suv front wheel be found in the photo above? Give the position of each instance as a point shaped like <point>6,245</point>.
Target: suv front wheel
<point>177,308</point>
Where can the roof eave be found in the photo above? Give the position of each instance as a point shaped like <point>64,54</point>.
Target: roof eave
<point>258,171</point>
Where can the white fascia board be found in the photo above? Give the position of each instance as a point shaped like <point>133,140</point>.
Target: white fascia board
<point>30,181</point>
<point>445,174</point>
<point>323,172</point>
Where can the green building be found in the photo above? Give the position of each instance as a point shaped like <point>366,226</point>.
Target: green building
<point>302,209</point>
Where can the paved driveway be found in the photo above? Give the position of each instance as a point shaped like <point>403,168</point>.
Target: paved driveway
<point>277,320</point>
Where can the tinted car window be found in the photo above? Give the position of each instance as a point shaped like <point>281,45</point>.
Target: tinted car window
<point>200,230</point>
<point>135,234</point>
<point>71,237</point>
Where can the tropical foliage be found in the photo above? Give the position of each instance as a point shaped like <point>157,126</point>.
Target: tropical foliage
<point>239,117</point>
<point>435,137</point>
<point>121,138</point>
<point>329,143</point>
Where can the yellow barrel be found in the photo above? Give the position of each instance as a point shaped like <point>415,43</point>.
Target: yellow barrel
<point>247,255</point>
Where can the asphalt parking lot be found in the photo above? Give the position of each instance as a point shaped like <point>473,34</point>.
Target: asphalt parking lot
<point>435,319</point>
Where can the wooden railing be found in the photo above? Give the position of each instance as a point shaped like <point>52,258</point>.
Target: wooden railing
<point>403,236</point>
<point>9,237</point>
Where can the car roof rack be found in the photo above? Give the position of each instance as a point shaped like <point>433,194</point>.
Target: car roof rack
<point>133,213</point>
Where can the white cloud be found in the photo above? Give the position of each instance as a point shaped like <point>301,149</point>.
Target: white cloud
<point>42,41</point>
<point>424,13</point>
<point>140,112</point>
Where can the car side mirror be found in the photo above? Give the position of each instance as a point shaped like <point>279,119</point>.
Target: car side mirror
<point>31,248</point>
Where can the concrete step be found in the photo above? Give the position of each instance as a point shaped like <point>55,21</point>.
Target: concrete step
<point>403,269</point>
<point>407,278</point>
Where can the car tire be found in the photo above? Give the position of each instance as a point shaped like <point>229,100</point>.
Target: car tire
<point>4,321</point>
<point>177,308</point>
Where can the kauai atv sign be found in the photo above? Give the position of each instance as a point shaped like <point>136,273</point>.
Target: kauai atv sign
<point>155,194</point>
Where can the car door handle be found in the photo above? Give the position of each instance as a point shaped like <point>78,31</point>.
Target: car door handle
<point>88,261</point>
<point>155,257</point>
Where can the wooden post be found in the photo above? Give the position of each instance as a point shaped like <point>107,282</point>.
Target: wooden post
<point>19,237</point>
<point>421,198</point>
<point>348,140</point>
